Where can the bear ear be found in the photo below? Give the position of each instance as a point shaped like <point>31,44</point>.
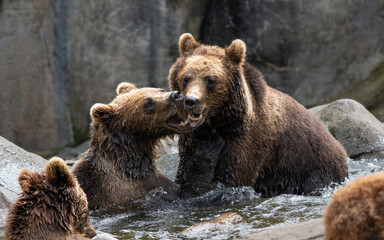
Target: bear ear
<point>25,178</point>
<point>57,173</point>
<point>124,87</point>
<point>187,43</point>
<point>101,113</point>
<point>236,51</point>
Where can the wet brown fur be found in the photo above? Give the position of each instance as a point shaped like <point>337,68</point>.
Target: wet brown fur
<point>51,206</point>
<point>357,210</point>
<point>119,165</point>
<point>271,141</point>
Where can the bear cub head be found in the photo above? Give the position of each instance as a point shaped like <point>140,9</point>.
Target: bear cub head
<point>204,74</point>
<point>51,206</point>
<point>151,112</point>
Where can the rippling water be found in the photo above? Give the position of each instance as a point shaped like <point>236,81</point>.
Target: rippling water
<point>153,218</point>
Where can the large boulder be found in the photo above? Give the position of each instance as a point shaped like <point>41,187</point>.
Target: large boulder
<point>13,159</point>
<point>353,126</point>
<point>308,230</point>
<point>33,93</point>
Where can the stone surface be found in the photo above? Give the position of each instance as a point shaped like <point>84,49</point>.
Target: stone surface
<point>353,126</point>
<point>13,159</point>
<point>309,230</point>
<point>311,50</point>
<point>33,93</point>
<point>369,92</point>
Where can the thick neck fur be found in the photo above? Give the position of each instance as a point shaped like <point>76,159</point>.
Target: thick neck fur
<point>235,110</point>
<point>134,156</point>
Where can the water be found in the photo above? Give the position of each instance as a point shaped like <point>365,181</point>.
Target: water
<point>153,218</point>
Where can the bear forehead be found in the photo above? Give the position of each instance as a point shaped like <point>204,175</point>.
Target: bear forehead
<point>133,98</point>
<point>204,65</point>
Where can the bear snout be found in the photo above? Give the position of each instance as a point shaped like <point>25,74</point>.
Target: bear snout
<point>190,102</point>
<point>176,96</point>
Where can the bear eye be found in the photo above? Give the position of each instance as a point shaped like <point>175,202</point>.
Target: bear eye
<point>186,80</point>
<point>210,81</point>
<point>149,104</point>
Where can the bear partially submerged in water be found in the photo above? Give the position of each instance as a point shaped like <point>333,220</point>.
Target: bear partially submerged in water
<point>119,166</point>
<point>272,142</point>
<point>51,206</point>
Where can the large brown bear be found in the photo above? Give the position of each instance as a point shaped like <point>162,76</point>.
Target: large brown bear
<point>119,166</point>
<point>51,206</point>
<point>271,141</point>
<point>357,210</point>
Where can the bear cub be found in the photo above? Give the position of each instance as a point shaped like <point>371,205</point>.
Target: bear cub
<point>119,166</point>
<point>51,206</point>
<point>356,211</point>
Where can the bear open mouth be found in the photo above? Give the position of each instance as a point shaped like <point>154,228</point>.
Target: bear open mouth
<point>193,120</point>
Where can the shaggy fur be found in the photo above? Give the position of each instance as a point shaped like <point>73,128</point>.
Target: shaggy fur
<point>51,206</point>
<point>357,210</point>
<point>119,165</point>
<point>271,141</point>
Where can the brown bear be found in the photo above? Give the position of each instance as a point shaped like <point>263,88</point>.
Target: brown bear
<point>357,210</point>
<point>119,166</point>
<point>51,206</point>
<point>272,142</point>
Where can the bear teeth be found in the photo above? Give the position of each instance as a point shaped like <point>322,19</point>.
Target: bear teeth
<point>190,117</point>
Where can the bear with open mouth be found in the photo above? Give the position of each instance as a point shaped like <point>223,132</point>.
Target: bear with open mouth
<point>119,166</point>
<point>272,142</point>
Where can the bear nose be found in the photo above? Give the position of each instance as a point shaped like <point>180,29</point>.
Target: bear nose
<point>176,96</point>
<point>190,102</point>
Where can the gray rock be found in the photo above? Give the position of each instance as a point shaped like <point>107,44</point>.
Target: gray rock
<point>70,155</point>
<point>308,230</point>
<point>12,160</point>
<point>312,50</point>
<point>353,126</point>
<point>33,93</point>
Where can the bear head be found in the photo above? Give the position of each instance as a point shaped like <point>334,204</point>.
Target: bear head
<point>52,205</point>
<point>207,76</point>
<point>151,112</point>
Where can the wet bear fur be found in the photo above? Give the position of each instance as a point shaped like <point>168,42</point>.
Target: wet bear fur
<point>356,211</point>
<point>119,166</point>
<point>51,206</point>
<point>272,142</point>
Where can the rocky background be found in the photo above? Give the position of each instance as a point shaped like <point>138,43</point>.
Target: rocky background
<point>58,58</point>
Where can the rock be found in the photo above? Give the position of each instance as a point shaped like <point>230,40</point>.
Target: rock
<point>221,223</point>
<point>353,126</point>
<point>33,93</point>
<point>103,236</point>
<point>311,50</point>
<point>309,230</point>
<point>369,92</point>
<point>71,155</point>
<point>12,160</point>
